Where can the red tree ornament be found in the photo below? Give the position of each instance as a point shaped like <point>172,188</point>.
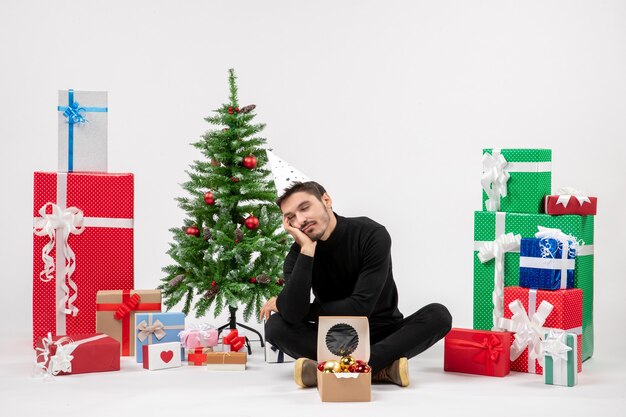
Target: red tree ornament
<point>252,222</point>
<point>230,110</point>
<point>209,198</point>
<point>253,280</point>
<point>250,161</point>
<point>193,231</point>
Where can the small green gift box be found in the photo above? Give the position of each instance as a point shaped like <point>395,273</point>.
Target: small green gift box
<point>516,180</point>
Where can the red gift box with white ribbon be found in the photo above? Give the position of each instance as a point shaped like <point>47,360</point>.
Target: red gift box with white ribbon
<point>77,354</point>
<point>82,243</point>
<point>531,313</point>
<point>570,201</point>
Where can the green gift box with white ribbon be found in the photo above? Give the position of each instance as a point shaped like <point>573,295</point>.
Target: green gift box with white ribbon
<point>516,180</point>
<point>497,234</point>
<point>559,362</point>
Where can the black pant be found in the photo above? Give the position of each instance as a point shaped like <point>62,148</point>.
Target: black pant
<point>389,341</point>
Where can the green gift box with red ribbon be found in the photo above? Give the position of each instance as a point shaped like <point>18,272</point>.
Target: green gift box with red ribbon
<point>115,314</point>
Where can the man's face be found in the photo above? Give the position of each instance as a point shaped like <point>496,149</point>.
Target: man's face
<point>305,212</point>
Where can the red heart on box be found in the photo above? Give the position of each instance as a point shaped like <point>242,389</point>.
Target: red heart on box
<point>167,356</point>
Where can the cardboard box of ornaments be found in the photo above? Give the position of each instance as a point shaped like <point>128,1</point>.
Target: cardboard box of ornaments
<point>343,346</point>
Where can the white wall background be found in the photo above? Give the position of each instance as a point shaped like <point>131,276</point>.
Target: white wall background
<point>386,103</point>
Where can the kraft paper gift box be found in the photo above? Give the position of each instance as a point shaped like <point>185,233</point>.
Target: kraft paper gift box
<point>480,352</point>
<point>116,314</point>
<point>490,227</point>
<point>161,356</point>
<point>82,131</point>
<point>349,336</point>
<point>560,351</point>
<point>516,180</point>
<point>275,355</point>
<point>226,361</point>
<point>82,243</point>
<point>154,328</point>
<point>77,354</point>
<point>197,356</point>
<point>530,313</point>
<point>547,264</point>
<point>570,202</point>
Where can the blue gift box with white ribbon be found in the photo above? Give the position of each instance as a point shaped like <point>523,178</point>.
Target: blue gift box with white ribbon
<point>155,328</point>
<point>83,124</point>
<point>547,264</point>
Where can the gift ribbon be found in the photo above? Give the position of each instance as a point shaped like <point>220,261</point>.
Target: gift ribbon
<point>61,361</point>
<point>70,221</point>
<point>156,328</point>
<point>494,179</point>
<point>197,356</point>
<point>126,297</point>
<point>65,221</point>
<point>496,175</point>
<point>489,350</point>
<point>566,193</point>
<point>496,250</point>
<point>74,115</point>
<point>528,328</point>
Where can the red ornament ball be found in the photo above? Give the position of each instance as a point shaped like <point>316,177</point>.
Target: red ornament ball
<point>209,198</point>
<point>250,161</point>
<point>237,109</point>
<point>280,281</point>
<point>193,231</point>
<point>230,110</point>
<point>320,367</point>
<point>253,280</point>
<point>252,222</point>
<point>213,284</point>
<point>234,179</point>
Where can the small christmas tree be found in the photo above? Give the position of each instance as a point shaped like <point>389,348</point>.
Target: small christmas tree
<point>232,246</point>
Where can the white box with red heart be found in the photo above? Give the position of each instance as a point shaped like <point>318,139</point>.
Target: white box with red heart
<point>161,356</point>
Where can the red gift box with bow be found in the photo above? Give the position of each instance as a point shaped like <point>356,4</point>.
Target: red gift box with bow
<point>82,243</point>
<point>479,352</point>
<point>77,354</point>
<point>570,204</point>
<point>234,341</point>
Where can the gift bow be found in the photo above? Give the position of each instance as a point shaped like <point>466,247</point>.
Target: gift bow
<point>203,330</point>
<point>528,331</point>
<point>68,221</point>
<point>61,361</point>
<point>496,249</point>
<point>74,114</point>
<point>145,330</point>
<point>490,348</point>
<point>126,307</point>
<point>554,345</point>
<point>567,243</point>
<point>494,179</point>
<point>566,193</point>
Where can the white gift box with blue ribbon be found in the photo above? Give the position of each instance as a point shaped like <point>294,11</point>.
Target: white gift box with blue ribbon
<point>83,133</point>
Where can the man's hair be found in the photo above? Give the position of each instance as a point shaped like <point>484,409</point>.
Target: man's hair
<point>310,187</point>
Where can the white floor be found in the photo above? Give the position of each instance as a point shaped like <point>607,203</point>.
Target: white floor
<point>268,390</point>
